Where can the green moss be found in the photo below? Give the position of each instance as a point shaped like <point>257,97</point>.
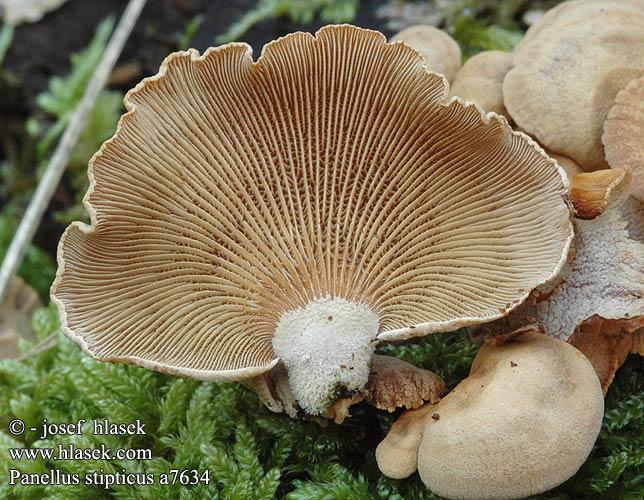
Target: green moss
<point>251,453</point>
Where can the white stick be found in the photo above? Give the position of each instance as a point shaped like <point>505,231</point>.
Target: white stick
<point>41,198</point>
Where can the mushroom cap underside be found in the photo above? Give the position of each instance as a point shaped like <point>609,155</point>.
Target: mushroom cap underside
<point>235,191</point>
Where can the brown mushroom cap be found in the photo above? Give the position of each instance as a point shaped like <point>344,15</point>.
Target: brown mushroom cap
<point>522,422</point>
<point>394,383</point>
<point>441,51</point>
<point>591,192</point>
<point>480,80</point>
<point>565,77</point>
<point>624,134</point>
<point>329,178</point>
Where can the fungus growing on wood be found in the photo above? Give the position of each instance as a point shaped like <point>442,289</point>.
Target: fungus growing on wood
<point>567,72</point>
<point>522,422</point>
<point>297,210</point>
<point>624,134</point>
<point>481,80</point>
<point>441,52</point>
<point>602,296</point>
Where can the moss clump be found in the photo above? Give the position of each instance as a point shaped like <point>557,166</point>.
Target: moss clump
<point>249,452</point>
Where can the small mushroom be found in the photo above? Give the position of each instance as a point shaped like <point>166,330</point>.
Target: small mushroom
<point>397,454</point>
<point>441,52</point>
<point>522,422</point>
<point>624,134</point>
<point>590,193</point>
<point>567,72</point>
<point>394,383</point>
<point>480,80</point>
<point>295,211</point>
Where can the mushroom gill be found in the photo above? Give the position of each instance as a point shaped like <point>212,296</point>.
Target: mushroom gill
<point>301,208</point>
<point>600,304</point>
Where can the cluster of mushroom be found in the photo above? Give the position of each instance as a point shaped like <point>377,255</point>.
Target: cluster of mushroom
<point>589,109</point>
<point>576,84</point>
<point>272,221</point>
<point>277,233</point>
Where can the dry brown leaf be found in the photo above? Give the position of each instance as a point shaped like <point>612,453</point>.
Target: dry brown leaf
<point>15,317</point>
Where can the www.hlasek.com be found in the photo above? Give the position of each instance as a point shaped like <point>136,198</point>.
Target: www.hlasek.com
<point>99,477</point>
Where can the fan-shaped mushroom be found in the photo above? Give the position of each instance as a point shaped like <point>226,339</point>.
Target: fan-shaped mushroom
<point>568,70</point>
<point>300,209</point>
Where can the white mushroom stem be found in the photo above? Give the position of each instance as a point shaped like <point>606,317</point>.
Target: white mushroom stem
<point>326,348</point>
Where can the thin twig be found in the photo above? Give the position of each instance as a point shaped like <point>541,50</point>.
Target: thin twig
<point>45,344</point>
<point>41,198</point>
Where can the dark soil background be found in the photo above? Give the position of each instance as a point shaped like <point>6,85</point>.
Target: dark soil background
<point>42,49</point>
